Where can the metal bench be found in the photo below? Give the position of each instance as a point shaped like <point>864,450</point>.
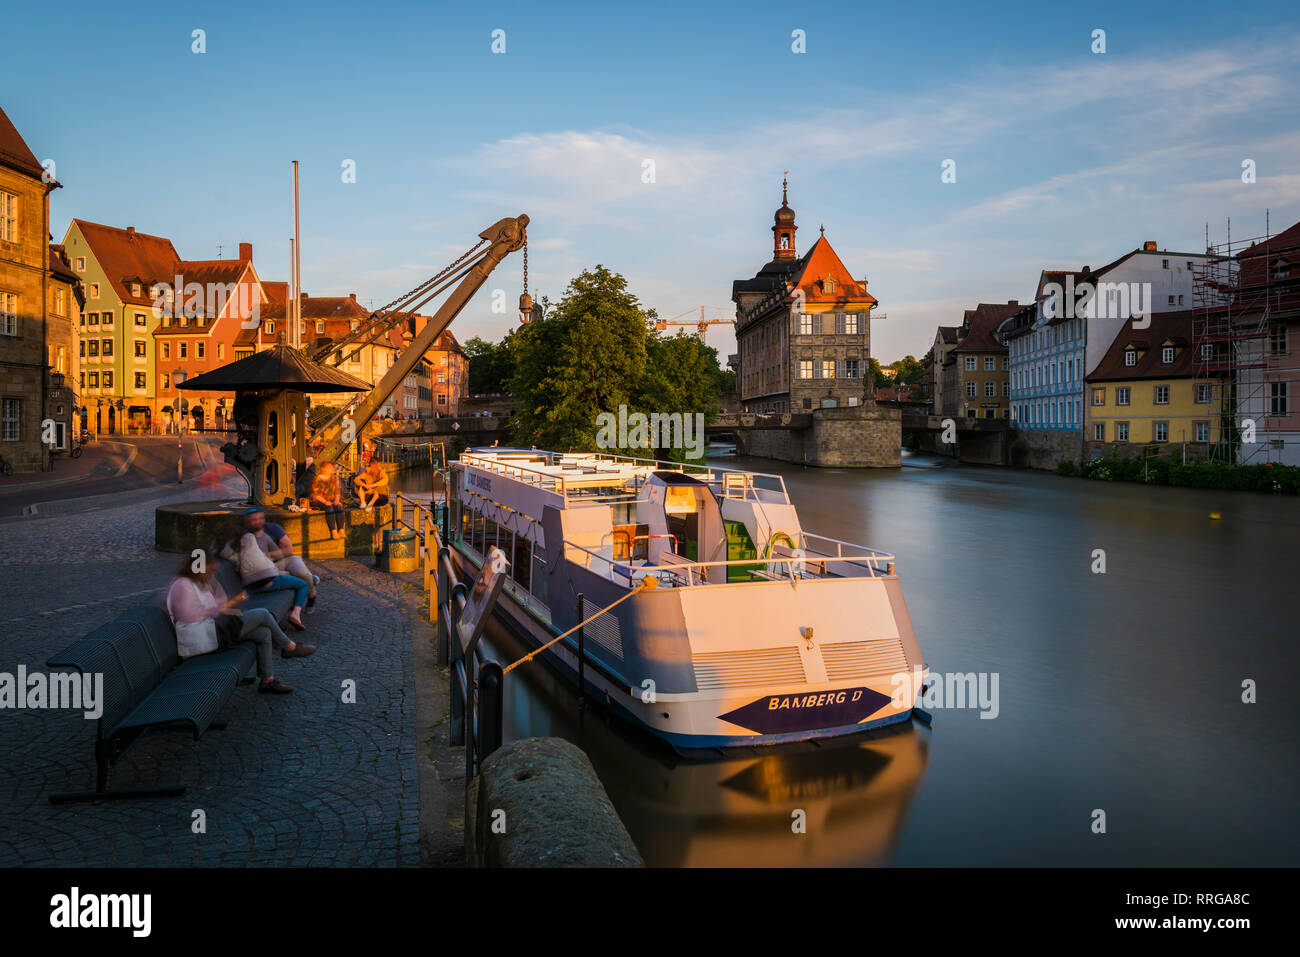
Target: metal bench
<point>146,684</point>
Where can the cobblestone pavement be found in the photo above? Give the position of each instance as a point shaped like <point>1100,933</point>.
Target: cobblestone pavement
<point>300,779</point>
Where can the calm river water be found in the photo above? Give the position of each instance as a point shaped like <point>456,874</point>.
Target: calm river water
<point>1119,692</point>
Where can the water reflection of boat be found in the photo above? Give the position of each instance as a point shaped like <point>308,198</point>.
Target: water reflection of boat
<point>740,811</point>
<point>736,809</point>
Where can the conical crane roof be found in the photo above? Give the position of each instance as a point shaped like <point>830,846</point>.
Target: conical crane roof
<point>280,367</point>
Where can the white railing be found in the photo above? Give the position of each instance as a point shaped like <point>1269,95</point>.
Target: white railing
<point>680,571</point>
<point>727,482</point>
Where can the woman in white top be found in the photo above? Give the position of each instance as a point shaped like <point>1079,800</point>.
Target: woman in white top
<point>197,603</point>
<point>258,573</point>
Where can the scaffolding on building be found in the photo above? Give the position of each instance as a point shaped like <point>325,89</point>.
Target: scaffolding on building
<point>1238,295</point>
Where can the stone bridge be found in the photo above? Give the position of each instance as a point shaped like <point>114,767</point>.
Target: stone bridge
<point>978,441</point>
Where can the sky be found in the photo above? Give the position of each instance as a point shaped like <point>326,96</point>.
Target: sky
<point>1062,156</point>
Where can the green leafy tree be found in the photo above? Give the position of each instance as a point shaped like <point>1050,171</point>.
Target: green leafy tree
<point>491,365</point>
<point>587,356</point>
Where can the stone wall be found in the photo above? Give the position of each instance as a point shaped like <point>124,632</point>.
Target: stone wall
<point>1045,448</point>
<point>863,436</point>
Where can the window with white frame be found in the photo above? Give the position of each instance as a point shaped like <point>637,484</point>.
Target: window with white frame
<point>1122,394</point>
<point>81,264</point>
<point>1161,432</point>
<point>851,369</point>
<point>1162,395</point>
<point>805,369</point>
<point>1130,357</point>
<point>1202,392</point>
<point>1099,396</point>
<point>1121,431</point>
<point>970,390</point>
<point>1006,390</point>
<point>1166,354</point>
<point>990,363</point>
<point>8,314</point>
<point>8,217</point>
<point>990,390</point>
<point>1099,432</point>
<point>851,324</point>
<point>1202,431</point>
<point>828,368</point>
<point>970,363</point>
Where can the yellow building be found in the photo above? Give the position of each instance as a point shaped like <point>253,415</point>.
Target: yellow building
<point>1145,392</point>
<point>973,381</point>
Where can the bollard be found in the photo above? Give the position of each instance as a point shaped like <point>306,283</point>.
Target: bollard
<point>442,585</point>
<point>582,657</point>
<point>491,682</point>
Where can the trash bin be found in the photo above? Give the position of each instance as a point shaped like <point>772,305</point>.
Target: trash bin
<point>400,551</point>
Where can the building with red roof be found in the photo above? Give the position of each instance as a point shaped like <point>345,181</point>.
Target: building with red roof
<point>802,327</point>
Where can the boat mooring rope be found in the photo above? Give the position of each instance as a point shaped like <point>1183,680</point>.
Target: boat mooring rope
<point>645,584</point>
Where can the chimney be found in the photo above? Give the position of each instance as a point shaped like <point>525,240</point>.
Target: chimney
<point>130,230</point>
<point>352,296</point>
<point>245,252</point>
<point>1149,246</point>
<point>1013,302</point>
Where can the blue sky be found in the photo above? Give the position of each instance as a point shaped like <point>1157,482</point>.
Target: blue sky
<point>1063,157</point>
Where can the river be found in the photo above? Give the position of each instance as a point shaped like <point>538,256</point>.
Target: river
<point>1118,692</point>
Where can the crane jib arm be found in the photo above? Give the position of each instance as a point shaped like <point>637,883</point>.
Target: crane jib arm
<point>505,236</point>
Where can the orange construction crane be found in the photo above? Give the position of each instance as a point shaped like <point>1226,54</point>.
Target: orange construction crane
<point>701,324</point>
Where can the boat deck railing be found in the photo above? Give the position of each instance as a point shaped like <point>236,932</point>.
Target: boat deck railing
<point>846,561</point>
<point>624,471</point>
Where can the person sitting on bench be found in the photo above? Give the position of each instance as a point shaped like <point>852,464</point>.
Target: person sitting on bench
<point>278,546</point>
<point>372,486</point>
<point>258,573</point>
<point>204,617</point>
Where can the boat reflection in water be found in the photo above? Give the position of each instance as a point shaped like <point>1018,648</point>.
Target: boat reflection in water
<point>736,807</point>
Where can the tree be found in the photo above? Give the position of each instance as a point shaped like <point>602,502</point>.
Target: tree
<point>909,369</point>
<point>491,365</point>
<point>587,356</point>
<point>594,351</point>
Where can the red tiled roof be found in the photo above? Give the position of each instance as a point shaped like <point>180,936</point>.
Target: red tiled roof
<point>126,255</point>
<point>1172,328</point>
<point>821,262</point>
<point>14,151</point>
<point>60,268</point>
<point>978,332</point>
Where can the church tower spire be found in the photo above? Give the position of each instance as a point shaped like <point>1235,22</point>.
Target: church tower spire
<point>783,227</point>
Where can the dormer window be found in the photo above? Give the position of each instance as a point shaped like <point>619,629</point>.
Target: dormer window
<point>828,285</point>
<point>1130,357</point>
<point>1167,354</point>
<point>1281,269</point>
<point>135,290</point>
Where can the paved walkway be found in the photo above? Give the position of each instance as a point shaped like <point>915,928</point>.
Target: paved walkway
<point>302,779</point>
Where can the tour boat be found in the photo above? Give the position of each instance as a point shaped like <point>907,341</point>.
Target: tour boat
<point>750,631</point>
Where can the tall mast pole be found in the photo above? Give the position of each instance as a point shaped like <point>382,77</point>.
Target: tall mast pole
<point>297,264</point>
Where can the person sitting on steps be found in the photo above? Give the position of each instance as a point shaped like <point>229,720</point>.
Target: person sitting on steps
<point>372,486</point>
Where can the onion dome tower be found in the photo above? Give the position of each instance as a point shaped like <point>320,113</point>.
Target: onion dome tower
<point>783,228</point>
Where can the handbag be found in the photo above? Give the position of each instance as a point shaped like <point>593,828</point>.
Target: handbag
<point>193,637</point>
